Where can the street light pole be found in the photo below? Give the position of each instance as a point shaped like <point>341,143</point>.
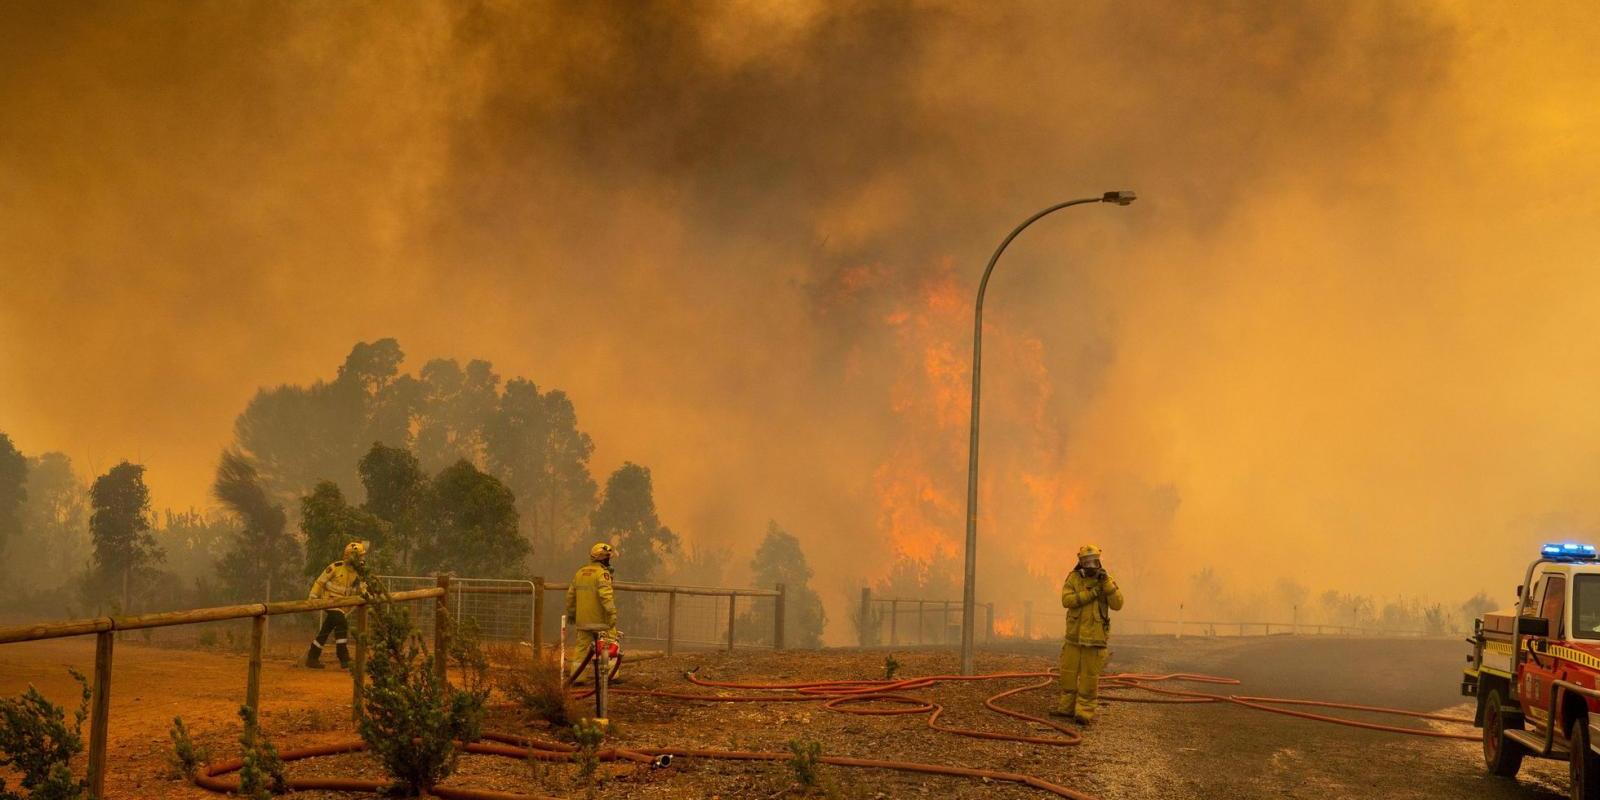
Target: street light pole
<point>968,586</point>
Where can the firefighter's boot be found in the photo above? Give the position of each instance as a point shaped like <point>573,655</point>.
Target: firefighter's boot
<point>314,656</point>
<point>344,655</point>
<point>1091,661</point>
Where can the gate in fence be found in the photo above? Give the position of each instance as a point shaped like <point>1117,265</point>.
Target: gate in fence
<point>898,621</point>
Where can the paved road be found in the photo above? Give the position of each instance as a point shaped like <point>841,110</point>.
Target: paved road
<point>1224,751</point>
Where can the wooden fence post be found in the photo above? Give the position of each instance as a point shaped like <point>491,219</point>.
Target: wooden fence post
<point>441,630</point>
<point>731,598</point>
<point>252,682</point>
<point>1027,619</point>
<point>894,622</point>
<point>358,673</point>
<point>778,615</point>
<point>944,622</point>
<point>988,628</point>
<point>921,612</point>
<point>538,619</point>
<point>866,618</point>
<point>100,714</point>
<point>672,620</point>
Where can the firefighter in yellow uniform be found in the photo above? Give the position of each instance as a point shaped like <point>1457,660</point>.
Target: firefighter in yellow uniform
<point>1089,595</point>
<point>591,602</point>
<point>339,579</point>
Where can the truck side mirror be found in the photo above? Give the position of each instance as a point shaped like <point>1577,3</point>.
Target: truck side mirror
<point>1519,592</point>
<point>1533,626</point>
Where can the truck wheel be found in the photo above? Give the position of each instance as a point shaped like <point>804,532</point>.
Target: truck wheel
<point>1502,757</point>
<point>1583,765</point>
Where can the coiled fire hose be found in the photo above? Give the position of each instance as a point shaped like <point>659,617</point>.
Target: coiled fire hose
<point>853,697</point>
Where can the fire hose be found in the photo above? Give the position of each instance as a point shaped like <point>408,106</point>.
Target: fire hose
<point>857,697</point>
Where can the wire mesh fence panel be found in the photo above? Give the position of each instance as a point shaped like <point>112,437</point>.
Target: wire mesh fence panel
<point>673,618</point>
<point>499,610</point>
<point>495,610</point>
<point>421,614</point>
<point>901,622</point>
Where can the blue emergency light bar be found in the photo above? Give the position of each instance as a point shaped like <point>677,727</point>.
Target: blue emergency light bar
<point>1569,550</point>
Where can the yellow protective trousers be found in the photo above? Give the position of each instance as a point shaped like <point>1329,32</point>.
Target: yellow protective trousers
<point>1080,679</point>
<point>581,645</point>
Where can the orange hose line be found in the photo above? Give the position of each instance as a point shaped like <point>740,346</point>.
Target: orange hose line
<point>1401,712</point>
<point>844,696</point>
<point>1262,704</point>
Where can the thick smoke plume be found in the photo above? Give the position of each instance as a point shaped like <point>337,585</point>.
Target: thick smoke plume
<point>1344,336</point>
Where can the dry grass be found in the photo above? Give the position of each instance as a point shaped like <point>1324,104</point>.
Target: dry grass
<point>536,686</point>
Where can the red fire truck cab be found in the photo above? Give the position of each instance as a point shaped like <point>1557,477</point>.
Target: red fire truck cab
<point>1533,670</point>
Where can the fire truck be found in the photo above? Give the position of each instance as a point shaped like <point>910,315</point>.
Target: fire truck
<point>1534,670</point>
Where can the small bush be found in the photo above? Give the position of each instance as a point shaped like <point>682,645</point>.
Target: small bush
<point>807,755</point>
<point>589,734</point>
<point>538,688</point>
<point>187,757</point>
<point>890,667</point>
<point>468,656</point>
<point>36,742</point>
<point>410,718</point>
<point>262,775</point>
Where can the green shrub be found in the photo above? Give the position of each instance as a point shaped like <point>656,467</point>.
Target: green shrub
<point>262,775</point>
<point>37,743</point>
<point>807,755</point>
<point>410,719</point>
<point>187,757</point>
<point>466,653</point>
<point>589,734</point>
<point>890,667</point>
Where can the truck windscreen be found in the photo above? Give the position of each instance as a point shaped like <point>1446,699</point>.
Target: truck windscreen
<point>1586,607</point>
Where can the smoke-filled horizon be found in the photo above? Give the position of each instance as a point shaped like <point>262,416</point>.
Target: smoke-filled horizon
<point>1344,335</point>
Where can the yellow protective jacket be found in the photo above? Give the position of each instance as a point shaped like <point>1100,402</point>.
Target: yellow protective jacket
<point>590,598</point>
<point>337,580</point>
<point>1089,603</point>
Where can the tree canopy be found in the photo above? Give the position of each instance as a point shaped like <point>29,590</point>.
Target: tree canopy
<point>120,528</point>
<point>471,526</point>
<point>262,555</point>
<point>13,492</point>
<point>627,518</point>
<point>780,559</point>
<point>329,523</point>
<point>55,538</point>
<point>299,436</point>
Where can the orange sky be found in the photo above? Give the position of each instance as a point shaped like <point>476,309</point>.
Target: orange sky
<point>1345,335</point>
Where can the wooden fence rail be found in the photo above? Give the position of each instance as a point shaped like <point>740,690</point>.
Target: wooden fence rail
<point>104,629</point>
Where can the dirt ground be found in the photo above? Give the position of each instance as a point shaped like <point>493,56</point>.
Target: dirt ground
<point>1134,752</point>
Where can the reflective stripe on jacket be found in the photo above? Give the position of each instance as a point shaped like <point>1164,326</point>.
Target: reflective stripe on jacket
<point>337,580</point>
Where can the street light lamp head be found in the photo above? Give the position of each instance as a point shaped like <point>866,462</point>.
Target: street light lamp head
<point>1121,198</point>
